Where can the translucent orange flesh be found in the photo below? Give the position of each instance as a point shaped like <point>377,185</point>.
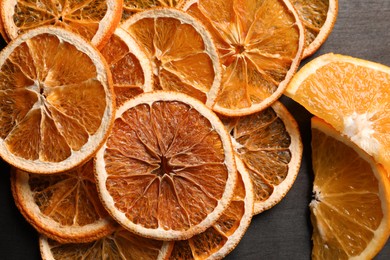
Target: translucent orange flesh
<point>205,244</point>
<point>177,51</point>
<point>120,244</point>
<point>347,208</point>
<point>341,90</point>
<point>131,7</point>
<point>127,73</point>
<point>49,107</point>
<point>71,198</point>
<point>82,17</point>
<point>257,42</point>
<point>264,148</point>
<point>313,15</point>
<point>165,166</point>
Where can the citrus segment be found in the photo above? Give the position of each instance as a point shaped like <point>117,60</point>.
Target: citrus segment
<point>350,94</point>
<point>350,210</point>
<point>318,18</point>
<point>167,169</point>
<point>181,50</point>
<point>260,44</point>
<point>269,145</point>
<point>64,207</point>
<point>222,237</point>
<point>94,20</point>
<point>121,244</point>
<point>54,115</point>
<point>130,68</point>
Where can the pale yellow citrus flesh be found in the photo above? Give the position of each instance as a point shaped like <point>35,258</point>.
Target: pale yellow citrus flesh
<point>119,245</point>
<point>260,44</point>
<point>350,94</point>
<point>350,210</point>
<point>94,20</point>
<point>182,52</point>
<point>54,115</point>
<point>64,207</point>
<point>270,147</point>
<point>221,238</point>
<point>318,18</point>
<point>167,168</point>
<point>130,68</point>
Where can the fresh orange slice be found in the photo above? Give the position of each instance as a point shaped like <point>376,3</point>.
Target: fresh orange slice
<point>351,205</point>
<point>167,170</point>
<point>221,238</point>
<point>269,145</point>
<point>353,95</point>
<point>318,17</point>
<point>181,50</point>
<point>95,20</point>
<point>130,67</point>
<point>64,207</point>
<point>131,7</point>
<point>260,44</point>
<point>53,115</point>
<point>119,245</point>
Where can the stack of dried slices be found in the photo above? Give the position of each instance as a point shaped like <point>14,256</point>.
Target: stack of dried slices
<point>153,130</point>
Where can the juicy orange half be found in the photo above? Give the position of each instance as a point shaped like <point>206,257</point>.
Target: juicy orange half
<point>351,205</point>
<point>53,115</point>
<point>260,44</point>
<point>167,169</point>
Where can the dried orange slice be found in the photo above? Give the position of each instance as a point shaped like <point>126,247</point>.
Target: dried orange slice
<point>350,210</point>
<point>221,238</point>
<point>181,50</point>
<point>318,17</point>
<point>130,68</point>
<point>269,145</point>
<point>53,115</point>
<point>260,43</point>
<point>95,20</point>
<point>131,7</point>
<point>65,206</point>
<point>119,245</point>
<point>353,95</point>
<point>167,169</point>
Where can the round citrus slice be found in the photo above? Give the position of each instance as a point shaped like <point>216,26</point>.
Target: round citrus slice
<point>260,43</point>
<point>353,95</point>
<point>318,17</point>
<point>269,145</point>
<point>121,244</point>
<point>131,7</point>
<point>53,115</point>
<point>181,50</point>
<point>65,206</point>
<point>95,20</point>
<point>130,67</point>
<point>167,170</point>
<point>350,210</point>
<point>222,237</point>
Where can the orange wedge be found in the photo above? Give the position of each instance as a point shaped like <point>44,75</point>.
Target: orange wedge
<point>181,50</point>
<point>260,44</point>
<point>130,68</point>
<point>318,17</point>
<point>64,207</point>
<point>221,238</point>
<point>119,245</point>
<point>351,205</point>
<point>353,95</point>
<point>95,20</point>
<point>53,115</point>
<point>167,170</point>
<point>269,146</point>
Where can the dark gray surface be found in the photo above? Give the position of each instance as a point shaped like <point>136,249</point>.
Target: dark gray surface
<point>283,232</point>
